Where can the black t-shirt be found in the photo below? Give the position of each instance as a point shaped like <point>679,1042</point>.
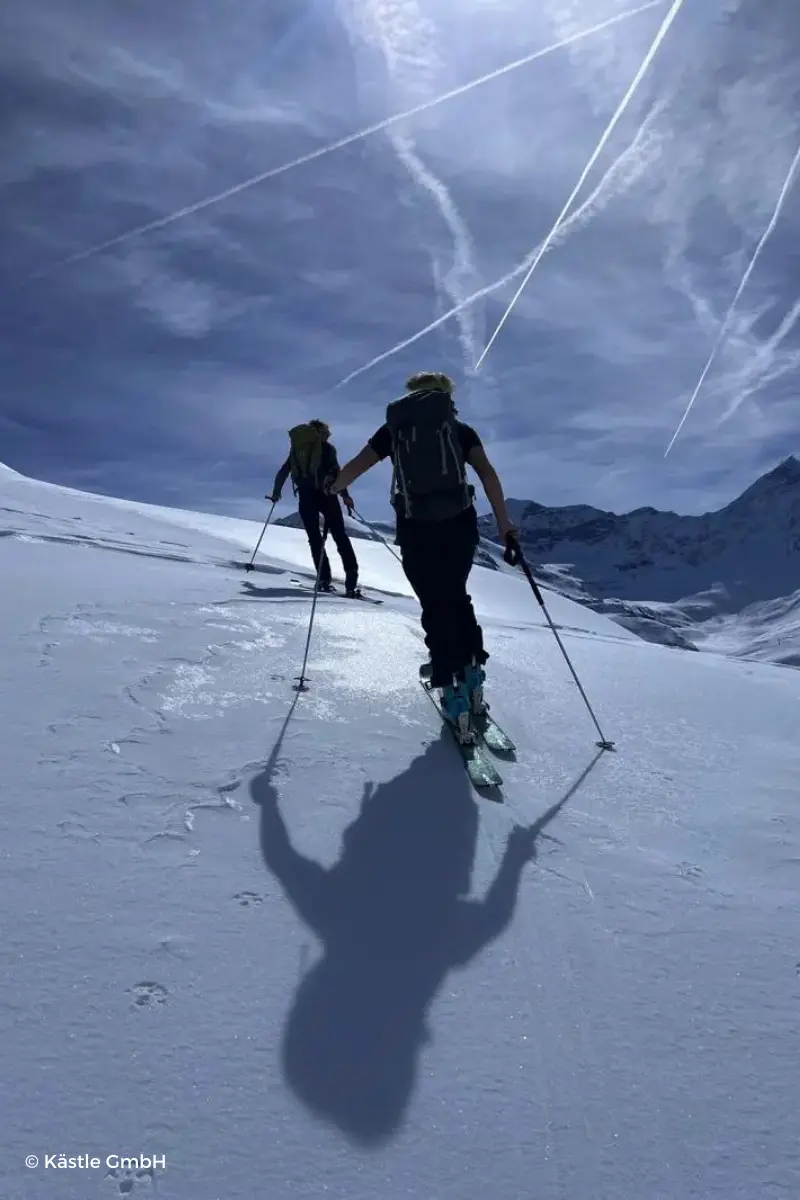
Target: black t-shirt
<point>466,522</point>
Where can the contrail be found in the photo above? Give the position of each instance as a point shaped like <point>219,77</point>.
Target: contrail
<point>408,40</point>
<point>763,370</point>
<point>784,192</point>
<point>462,243</point>
<point>575,221</point>
<point>626,99</point>
<point>189,209</point>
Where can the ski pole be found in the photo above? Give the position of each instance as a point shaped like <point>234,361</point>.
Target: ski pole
<point>301,678</point>
<point>377,534</point>
<point>604,744</point>
<point>249,566</point>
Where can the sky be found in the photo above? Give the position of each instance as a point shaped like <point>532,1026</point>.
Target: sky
<point>168,365</point>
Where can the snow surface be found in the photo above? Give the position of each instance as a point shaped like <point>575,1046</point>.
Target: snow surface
<point>277,939</point>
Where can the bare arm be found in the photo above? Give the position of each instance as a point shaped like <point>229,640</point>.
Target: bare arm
<point>336,471</point>
<point>352,470</point>
<point>280,479</point>
<point>491,485</point>
<point>483,921</point>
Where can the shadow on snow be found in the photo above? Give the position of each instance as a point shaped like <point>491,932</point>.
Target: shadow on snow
<point>393,919</point>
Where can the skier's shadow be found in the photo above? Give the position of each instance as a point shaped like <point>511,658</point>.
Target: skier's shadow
<point>393,921</point>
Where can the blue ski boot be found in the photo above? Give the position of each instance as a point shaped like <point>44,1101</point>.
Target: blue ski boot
<point>474,679</point>
<point>456,711</point>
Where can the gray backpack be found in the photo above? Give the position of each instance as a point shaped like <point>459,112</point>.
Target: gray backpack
<point>429,479</point>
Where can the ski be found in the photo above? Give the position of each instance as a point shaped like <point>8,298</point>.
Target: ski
<point>496,739</point>
<point>482,772</point>
<point>364,599</point>
<point>340,595</point>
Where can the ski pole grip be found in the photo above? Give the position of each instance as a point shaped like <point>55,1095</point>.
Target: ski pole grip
<point>513,552</point>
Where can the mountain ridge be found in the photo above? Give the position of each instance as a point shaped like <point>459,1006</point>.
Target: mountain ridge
<point>675,578</point>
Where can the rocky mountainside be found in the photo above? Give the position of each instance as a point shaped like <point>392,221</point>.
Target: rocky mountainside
<point>747,551</point>
<point>671,578</point>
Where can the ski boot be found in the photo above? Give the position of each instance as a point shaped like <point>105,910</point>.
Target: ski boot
<point>353,592</point>
<point>474,679</point>
<point>456,711</point>
<point>327,587</point>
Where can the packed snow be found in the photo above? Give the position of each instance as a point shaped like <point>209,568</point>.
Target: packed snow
<point>273,943</point>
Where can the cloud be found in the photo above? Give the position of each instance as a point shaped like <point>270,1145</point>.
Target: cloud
<point>407,40</point>
<point>605,137</point>
<point>622,173</point>
<point>784,329</point>
<point>256,207</point>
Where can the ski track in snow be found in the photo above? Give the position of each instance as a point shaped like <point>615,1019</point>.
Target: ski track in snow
<point>276,938</point>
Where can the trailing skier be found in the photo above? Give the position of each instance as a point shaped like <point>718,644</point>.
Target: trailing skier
<point>313,464</point>
<point>437,531</point>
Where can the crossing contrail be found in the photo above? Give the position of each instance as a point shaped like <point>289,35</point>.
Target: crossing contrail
<point>378,127</point>
<point>784,192</point>
<point>623,104</point>
<point>575,221</point>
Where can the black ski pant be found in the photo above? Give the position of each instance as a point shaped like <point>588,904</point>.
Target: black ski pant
<point>437,567</point>
<point>313,505</point>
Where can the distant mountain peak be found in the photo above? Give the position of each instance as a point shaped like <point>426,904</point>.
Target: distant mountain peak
<point>747,552</point>
<point>789,470</point>
<point>780,480</point>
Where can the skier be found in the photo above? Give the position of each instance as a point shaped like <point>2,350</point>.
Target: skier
<point>437,531</point>
<point>313,465</point>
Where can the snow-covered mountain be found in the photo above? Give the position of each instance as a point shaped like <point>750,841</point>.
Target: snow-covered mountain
<point>262,943</point>
<point>356,529</point>
<point>726,578</point>
<point>377,531</point>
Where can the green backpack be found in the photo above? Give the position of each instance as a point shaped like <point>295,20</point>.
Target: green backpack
<point>305,455</point>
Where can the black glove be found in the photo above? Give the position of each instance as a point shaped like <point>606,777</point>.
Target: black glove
<point>273,499</point>
<point>512,554</point>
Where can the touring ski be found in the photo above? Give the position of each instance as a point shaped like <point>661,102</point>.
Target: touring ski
<point>363,598</point>
<point>496,739</point>
<point>482,772</point>
<point>340,595</point>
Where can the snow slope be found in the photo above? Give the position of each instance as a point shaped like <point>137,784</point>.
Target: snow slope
<point>768,632</point>
<point>276,939</point>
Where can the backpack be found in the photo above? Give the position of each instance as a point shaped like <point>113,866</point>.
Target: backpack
<point>429,479</point>
<point>306,452</point>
